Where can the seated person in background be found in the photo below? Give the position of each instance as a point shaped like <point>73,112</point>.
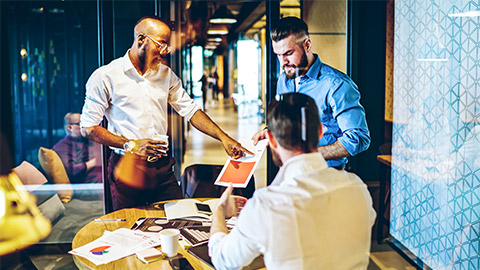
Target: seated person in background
<point>310,217</point>
<point>81,157</point>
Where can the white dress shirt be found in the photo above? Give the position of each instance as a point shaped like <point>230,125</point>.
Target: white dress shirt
<point>134,105</point>
<point>310,217</point>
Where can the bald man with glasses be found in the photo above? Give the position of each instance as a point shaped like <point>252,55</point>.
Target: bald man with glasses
<point>133,92</point>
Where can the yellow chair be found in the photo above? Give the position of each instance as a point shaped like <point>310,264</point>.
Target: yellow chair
<point>53,166</point>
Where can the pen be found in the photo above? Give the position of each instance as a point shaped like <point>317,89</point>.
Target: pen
<point>110,219</point>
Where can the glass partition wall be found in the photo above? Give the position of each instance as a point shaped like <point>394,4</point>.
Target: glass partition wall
<point>435,195</point>
<point>54,47</point>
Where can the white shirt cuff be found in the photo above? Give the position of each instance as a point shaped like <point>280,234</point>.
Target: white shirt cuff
<point>216,238</point>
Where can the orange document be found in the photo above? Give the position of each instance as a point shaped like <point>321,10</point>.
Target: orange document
<point>240,171</point>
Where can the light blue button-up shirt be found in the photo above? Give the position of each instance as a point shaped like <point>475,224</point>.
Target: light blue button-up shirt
<point>338,101</point>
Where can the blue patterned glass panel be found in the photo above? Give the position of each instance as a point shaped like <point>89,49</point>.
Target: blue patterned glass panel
<point>435,196</point>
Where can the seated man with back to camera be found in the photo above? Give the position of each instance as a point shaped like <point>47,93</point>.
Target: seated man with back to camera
<point>81,157</point>
<point>310,217</point>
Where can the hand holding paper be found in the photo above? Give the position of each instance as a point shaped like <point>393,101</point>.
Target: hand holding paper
<point>234,149</point>
<point>232,204</point>
<point>239,171</point>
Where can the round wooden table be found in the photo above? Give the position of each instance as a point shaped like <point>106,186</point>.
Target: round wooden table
<point>95,229</point>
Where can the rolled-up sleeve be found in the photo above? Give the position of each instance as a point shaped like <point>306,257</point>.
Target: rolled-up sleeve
<point>241,246</point>
<point>96,101</point>
<point>350,115</point>
<point>180,101</point>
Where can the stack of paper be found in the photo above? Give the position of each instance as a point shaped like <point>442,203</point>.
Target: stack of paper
<point>149,255</point>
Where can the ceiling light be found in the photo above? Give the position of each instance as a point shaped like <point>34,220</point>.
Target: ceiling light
<point>223,15</point>
<point>23,53</point>
<point>217,30</point>
<point>475,13</point>
<point>216,39</point>
<point>210,47</point>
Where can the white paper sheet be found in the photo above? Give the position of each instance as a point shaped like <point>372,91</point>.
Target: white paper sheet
<point>115,245</point>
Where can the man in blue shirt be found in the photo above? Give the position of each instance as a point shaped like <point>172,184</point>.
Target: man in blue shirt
<point>338,99</point>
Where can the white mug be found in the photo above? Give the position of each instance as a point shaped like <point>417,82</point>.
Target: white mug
<point>169,241</point>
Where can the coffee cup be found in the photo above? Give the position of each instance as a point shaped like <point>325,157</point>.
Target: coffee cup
<point>169,241</point>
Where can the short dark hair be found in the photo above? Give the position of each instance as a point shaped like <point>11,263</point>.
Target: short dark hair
<point>294,122</point>
<point>288,26</point>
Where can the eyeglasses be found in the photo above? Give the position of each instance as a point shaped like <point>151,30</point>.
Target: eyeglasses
<point>77,124</point>
<point>162,47</point>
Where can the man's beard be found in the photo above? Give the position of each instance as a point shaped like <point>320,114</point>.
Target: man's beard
<point>154,61</point>
<point>292,74</point>
<point>276,158</point>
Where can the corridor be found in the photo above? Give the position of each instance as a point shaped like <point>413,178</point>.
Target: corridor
<point>239,124</point>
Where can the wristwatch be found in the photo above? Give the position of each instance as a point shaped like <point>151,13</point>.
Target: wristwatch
<point>129,145</point>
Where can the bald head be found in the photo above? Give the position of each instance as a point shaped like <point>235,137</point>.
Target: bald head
<point>146,51</point>
<point>152,26</point>
<point>72,124</point>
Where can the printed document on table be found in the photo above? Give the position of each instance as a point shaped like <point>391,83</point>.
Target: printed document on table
<point>239,171</point>
<point>115,245</point>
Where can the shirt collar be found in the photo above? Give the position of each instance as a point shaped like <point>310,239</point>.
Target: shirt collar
<point>314,70</point>
<point>128,67</point>
<point>127,63</point>
<point>297,166</point>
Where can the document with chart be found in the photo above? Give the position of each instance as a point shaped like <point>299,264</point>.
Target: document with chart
<point>239,171</point>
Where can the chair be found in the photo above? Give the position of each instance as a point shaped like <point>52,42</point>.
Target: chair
<point>197,181</point>
<point>53,166</point>
<point>77,209</point>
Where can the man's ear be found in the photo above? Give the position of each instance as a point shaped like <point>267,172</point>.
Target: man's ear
<point>141,39</point>
<point>271,139</point>
<point>320,131</point>
<point>307,44</point>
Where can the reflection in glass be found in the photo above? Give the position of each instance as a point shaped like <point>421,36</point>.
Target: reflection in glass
<point>53,48</point>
